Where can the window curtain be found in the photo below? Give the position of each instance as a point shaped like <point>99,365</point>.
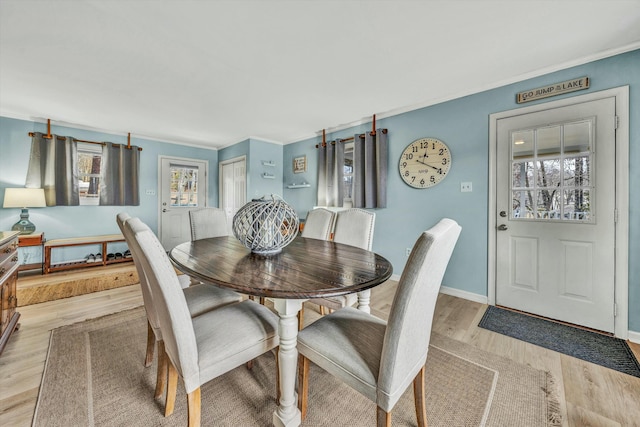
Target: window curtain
<point>370,167</point>
<point>53,167</point>
<point>331,174</point>
<point>120,180</point>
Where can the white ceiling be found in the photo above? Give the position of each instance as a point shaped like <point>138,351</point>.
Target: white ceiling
<point>213,73</point>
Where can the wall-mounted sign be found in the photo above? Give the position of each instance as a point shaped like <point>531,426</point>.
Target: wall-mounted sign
<point>300,164</point>
<point>552,90</point>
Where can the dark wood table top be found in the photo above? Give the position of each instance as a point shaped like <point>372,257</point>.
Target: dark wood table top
<point>306,268</point>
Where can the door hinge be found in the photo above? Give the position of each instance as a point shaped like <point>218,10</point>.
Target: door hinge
<point>616,122</point>
<point>615,309</point>
<point>615,216</point>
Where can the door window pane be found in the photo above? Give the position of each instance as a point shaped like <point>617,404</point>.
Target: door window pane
<point>577,137</point>
<point>549,173</point>
<point>523,174</point>
<point>548,141</point>
<point>577,204</point>
<point>577,171</point>
<point>548,204</point>
<point>522,204</point>
<point>522,144</point>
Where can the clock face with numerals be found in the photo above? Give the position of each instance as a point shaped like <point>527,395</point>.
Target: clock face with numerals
<point>425,162</point>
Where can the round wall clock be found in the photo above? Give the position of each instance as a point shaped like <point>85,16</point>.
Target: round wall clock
<point>425,162</point>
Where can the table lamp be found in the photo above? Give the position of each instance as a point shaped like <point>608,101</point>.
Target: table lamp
<point>24,198</point>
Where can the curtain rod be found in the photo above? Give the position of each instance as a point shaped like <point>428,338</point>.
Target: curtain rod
<point>351,138</point>
<point>49,136</point>
<point>32,134</point>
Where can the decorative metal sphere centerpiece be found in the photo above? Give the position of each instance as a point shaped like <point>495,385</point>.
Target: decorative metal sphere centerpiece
<point>266,225</point>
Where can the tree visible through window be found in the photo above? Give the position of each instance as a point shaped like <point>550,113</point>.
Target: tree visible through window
<point>184,186</point>
<point>348,174</point>
<point>89,169</point>
<point>551,172</point>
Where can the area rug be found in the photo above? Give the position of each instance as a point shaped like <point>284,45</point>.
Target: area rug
<point>603,350</point>
<point>94,376</point>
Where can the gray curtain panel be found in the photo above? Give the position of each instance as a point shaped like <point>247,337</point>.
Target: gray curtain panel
<point>370,167</point>
<point>120,180</point>
<point>331,174</point>
<point>53,167</point>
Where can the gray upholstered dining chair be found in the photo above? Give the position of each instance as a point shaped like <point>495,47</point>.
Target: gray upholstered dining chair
<point>121,218</point>
<point>377,358</point>
<point>208,222</point>
<point>200,299</point>
<point>204,347</point>
<point>319,224</point>
<point>353,227</point>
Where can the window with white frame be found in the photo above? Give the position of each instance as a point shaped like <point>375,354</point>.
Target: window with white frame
<point>89,168</point>
<point>348,174</point>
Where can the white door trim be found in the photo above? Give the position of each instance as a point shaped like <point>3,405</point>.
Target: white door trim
<point>179,159</point>
<point>621,95</point>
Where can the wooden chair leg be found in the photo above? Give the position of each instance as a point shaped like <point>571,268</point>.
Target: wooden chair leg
<point>151,342</point>
<point>193,403</point>
<point>419,397</point>
<point>383,418</point>
<point>303,385</point>
<point>161,373</point>
<point>172,388</point>
<point>301,318</point>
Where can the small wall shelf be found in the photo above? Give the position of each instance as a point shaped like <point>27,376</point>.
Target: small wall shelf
<point>298,185</point>
<point>268,176</point>
<point>268,163</point>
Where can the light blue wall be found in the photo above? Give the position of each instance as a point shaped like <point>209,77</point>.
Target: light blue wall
<point>463,124</point>
<point>257,151</point>
<point>264,152</point>
<point>73,221</point>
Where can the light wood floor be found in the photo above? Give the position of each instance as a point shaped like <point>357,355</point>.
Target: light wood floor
<point>590,395</point>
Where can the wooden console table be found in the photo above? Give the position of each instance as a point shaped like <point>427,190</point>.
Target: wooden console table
<point>8,285</point>
<point>32,240</point>
<point>103,240</point>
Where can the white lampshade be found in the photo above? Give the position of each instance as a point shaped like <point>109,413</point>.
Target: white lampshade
<point>24,198</point>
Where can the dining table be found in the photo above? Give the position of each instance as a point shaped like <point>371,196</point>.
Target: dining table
<point>306,268</point>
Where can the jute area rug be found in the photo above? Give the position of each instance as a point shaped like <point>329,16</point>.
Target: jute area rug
<point>94,376</point>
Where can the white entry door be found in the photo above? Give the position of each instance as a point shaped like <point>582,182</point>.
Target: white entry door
<point>183,187</point>
<point>555,205</point>
<point>233,187</point>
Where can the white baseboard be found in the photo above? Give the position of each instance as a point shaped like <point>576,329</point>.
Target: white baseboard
<point>482,299</point>
<point>634,337</point>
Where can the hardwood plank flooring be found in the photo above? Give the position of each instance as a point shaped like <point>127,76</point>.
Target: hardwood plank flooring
<point>590,395</point>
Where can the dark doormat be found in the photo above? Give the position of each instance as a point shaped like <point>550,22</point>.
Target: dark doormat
<point>610,352</point>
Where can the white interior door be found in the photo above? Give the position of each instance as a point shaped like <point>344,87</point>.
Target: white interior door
<point>183,187</point>
<point>555,205</point>
<point>233,187</point>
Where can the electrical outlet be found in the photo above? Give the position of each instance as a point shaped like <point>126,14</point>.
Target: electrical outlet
<point>408,251</point>
<point>466,187</point>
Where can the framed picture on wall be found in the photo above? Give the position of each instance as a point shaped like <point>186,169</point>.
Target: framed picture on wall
<point>300,164</point>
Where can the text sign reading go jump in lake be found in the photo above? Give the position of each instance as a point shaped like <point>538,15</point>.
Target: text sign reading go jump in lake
<point>552,90</point>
